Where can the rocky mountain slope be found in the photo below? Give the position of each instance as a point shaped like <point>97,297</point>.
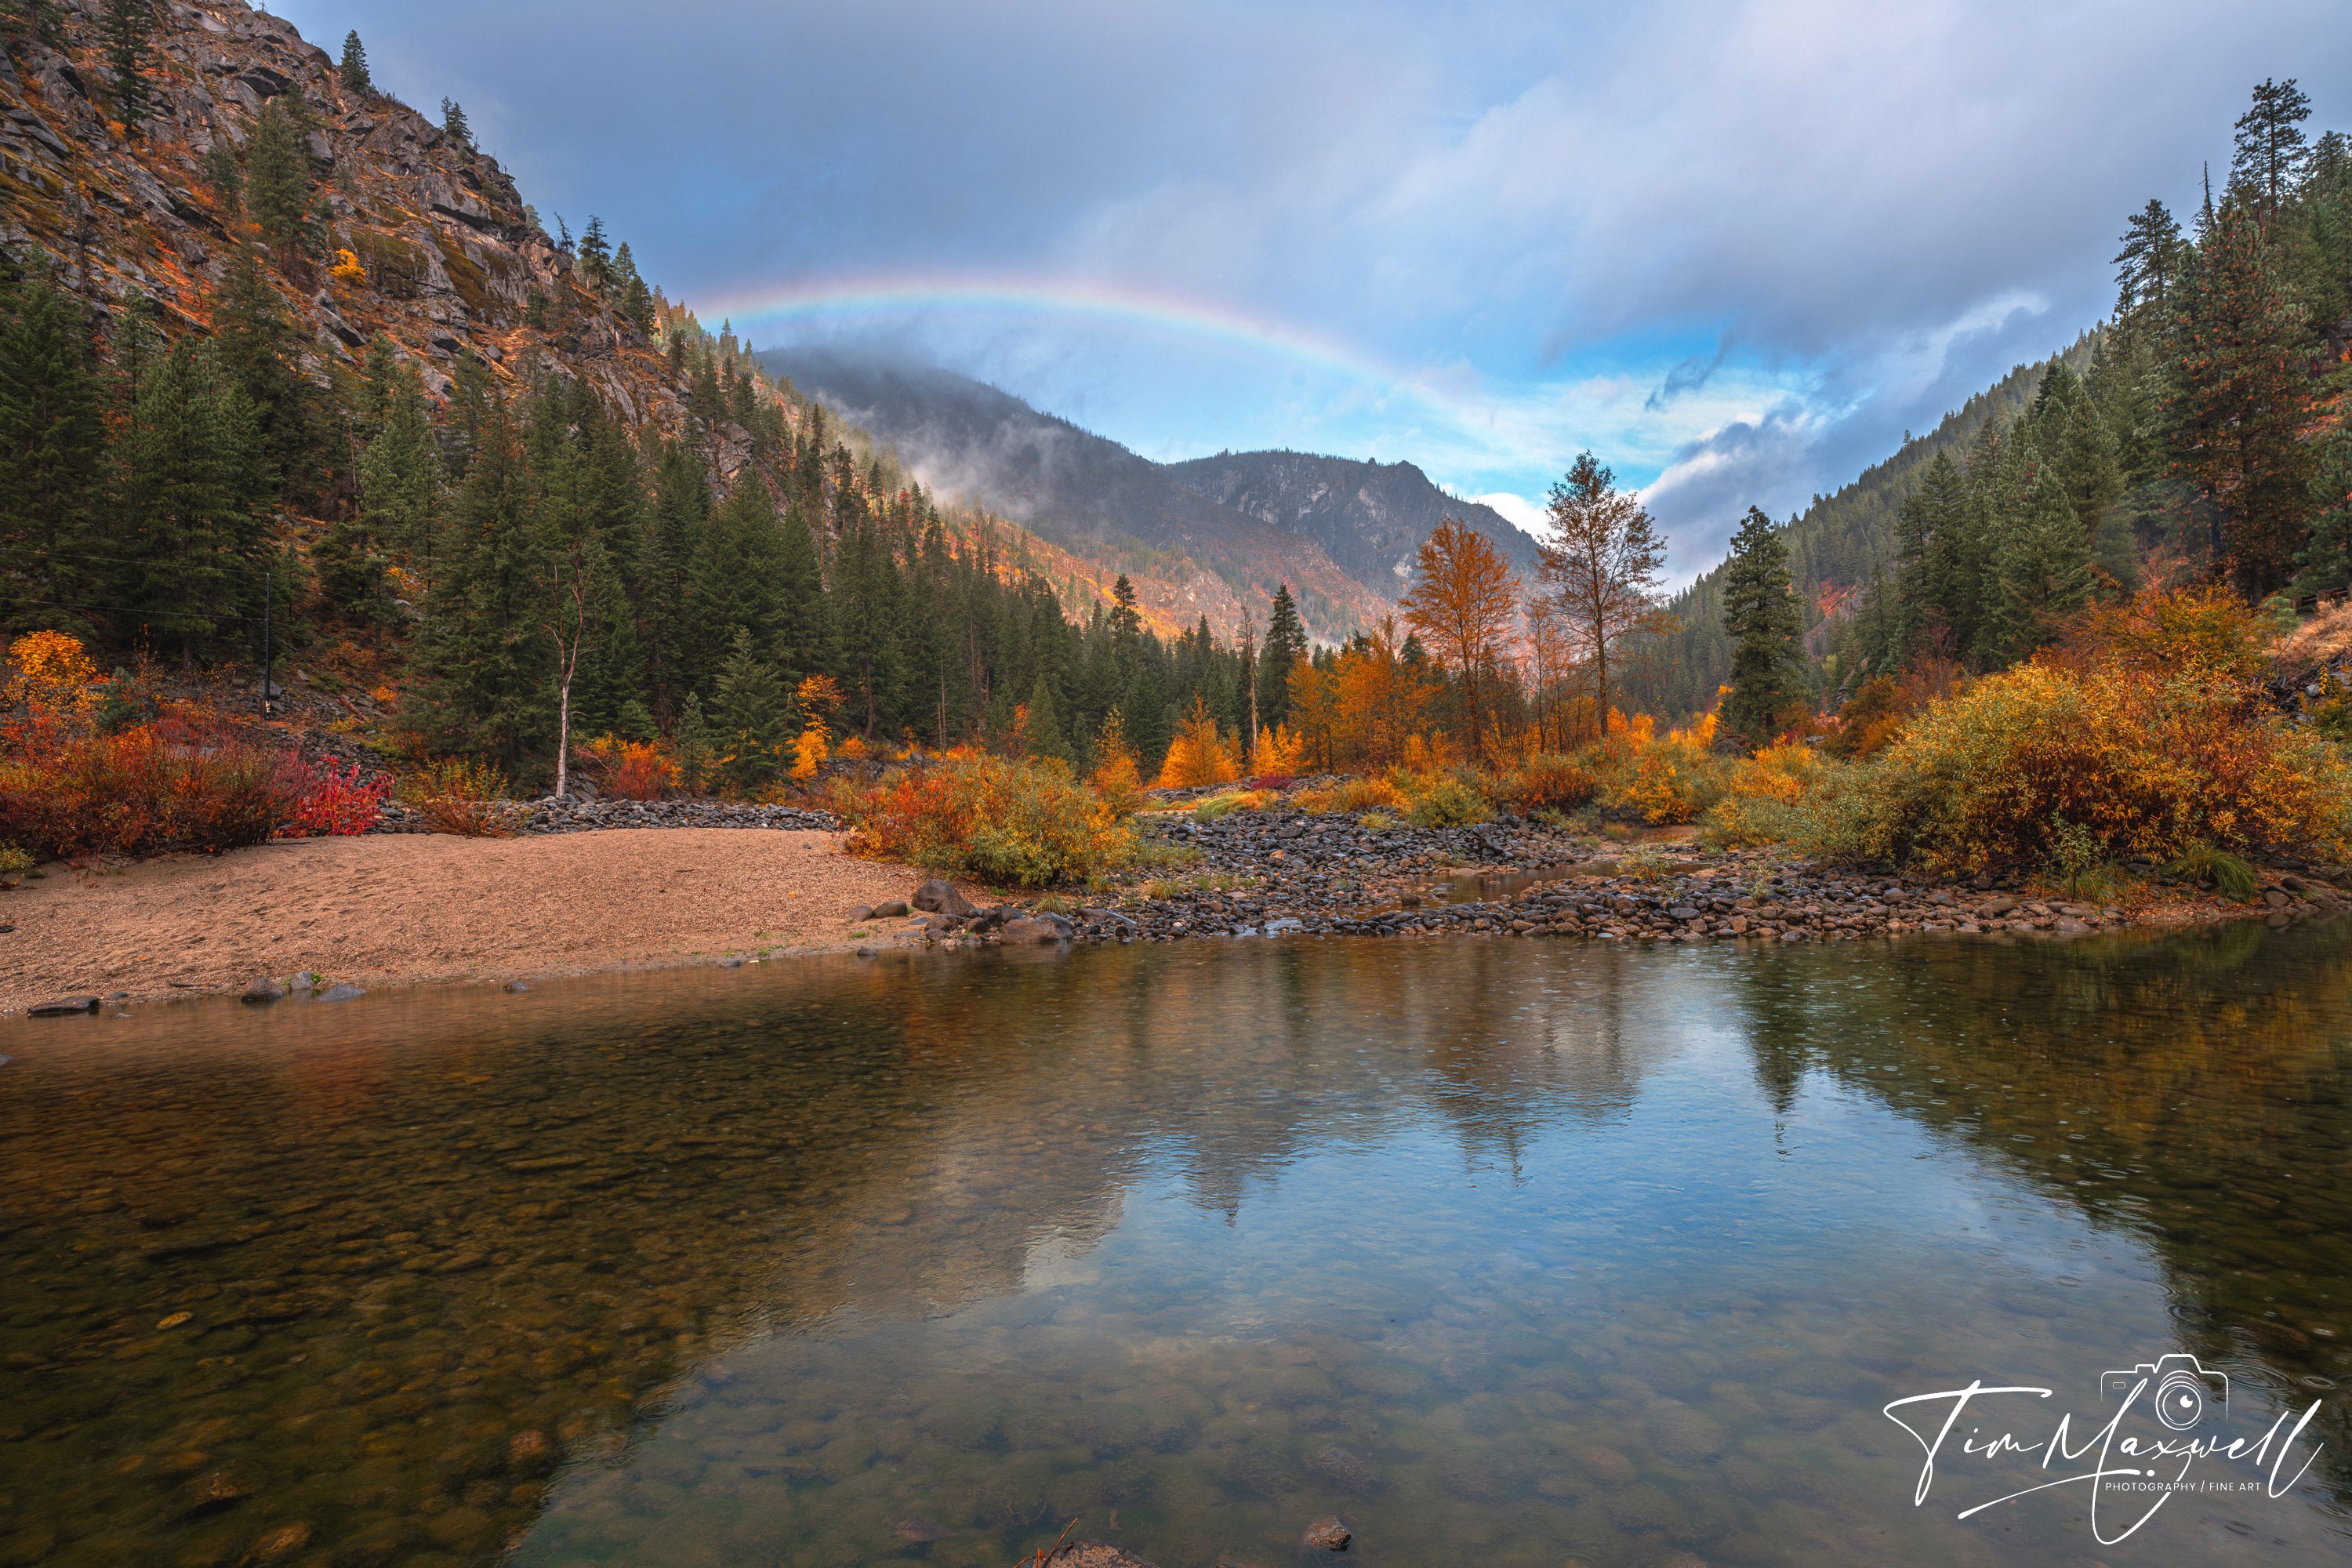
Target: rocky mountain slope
<point>1080,491</point>
<point>1341,533</point>
<point>1368,517</point>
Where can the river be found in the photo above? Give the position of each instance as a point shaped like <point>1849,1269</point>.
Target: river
<point>1504,1252</point>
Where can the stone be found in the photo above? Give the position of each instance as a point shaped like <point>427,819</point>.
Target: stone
<point>939,898</point>
<point>2000,906</point>
<point>892,910</point>
<point>2070,925</point>
<point>860,912</point>
<point>263,990</point>
<point>1095,1554</point>
<point>343,991</point>
<point>63,1006</point>
<point>1030,931</point>
<point>514,988</point>
<point>2277,900</point>
<point>1343,1469</point>
<point>1326,1534</point>
<point>306,981</point>
<point>730,962</point>
<point>921,1532</point>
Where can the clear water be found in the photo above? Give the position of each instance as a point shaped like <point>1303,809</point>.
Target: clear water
<point>1504,1252</point>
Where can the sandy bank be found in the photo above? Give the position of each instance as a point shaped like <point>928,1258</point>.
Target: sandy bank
<point>408,907</point>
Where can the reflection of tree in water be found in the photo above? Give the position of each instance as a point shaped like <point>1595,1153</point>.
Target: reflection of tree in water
<point>2192,1090</point>
<point>428,1248</point>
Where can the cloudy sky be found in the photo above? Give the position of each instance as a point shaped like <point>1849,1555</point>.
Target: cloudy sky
<point>1737,249</point>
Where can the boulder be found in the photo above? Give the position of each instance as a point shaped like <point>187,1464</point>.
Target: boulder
<point>263,990</point>
<point>860,912</point>
<point>514,988</point>
<point>345,992</point>
<point>939,898</point>
<point>892,910</point>
<point>63,1005</point>
<point>1033,931</point>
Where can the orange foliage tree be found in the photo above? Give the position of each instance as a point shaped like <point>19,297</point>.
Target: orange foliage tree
<point>1465,605</point>
<point>1361,707</point>
<point>1200,755</point>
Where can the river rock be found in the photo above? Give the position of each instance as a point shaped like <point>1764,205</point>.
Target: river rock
<point>1326,1534</point>
<point>514,988</point>
<point>860,912</point>
<point>263,990</point>
<point>892,910</point>
<point>1095,1554</point>
<point>1343,1469</point>
<point>921,1532</point>
<point>1031,931</point>
<point>62,1006</point>
<point>305,981</point>
<point>343,991</point>
<point>938,897</point>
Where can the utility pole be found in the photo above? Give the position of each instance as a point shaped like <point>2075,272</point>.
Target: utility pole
<point>268,648</point>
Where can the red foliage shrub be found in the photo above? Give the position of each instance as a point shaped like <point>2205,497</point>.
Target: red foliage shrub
<point>332,802</point>
<point>186,781</point>
<point>1273,780</point>
<point>630,769</point>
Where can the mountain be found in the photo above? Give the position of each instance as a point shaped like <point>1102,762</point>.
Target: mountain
<point>1341,533</point>
<point>1368,517</point>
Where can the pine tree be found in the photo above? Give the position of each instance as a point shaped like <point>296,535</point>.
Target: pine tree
<point>37,20</point>
<point>2327,557</point>
<point>1937,567</point>
<point>1761,615</point>
<point>2271,152</point>
<point>1603,566</point>
<point>127,27</point>
<point>186,528</point>
<point>257,347</point>
<point>2239,390</point>
<point>2045,568</point>
<point>1285,645</point>
<point>51,446</point>
<point>453,126</point>
<point>277,181</point>
<point>753,716</point>
<point>482,658</point>
<point>596,257</point>
<point>1045,736</point>
<point>692,742</point>
<point>2149,262</point>
<point>354,66</point>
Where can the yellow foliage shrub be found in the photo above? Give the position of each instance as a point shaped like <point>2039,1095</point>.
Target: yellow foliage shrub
<point>1200,755</point>
<point>53,675</point>
<point>809,750</point>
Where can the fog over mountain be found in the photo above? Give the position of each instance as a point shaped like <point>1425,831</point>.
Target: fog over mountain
<point>1313,520</point>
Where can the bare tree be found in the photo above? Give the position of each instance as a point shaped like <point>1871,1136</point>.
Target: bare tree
<point>575,567</point>
<point>1603,568</point>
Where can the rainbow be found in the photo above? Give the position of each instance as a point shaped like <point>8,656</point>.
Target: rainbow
<point>899,294</point>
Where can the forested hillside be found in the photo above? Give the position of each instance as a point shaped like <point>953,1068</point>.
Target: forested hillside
<point>268,336</point>
<point>2198,433</point>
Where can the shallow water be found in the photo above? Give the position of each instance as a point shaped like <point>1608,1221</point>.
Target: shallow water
<point>1504,1252</point>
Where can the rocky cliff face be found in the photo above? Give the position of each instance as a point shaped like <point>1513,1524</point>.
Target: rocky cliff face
<point>444,256</point>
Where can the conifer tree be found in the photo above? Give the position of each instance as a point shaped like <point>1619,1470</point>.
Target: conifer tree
<point>453,126</point>
<point>482,657</point>
<point>752,713</point>
<point>2271,150</point>
<point>1045,736</point>
<point>2149,262</point>
<point>596,257</point>
<point>187,529</point>
<point>1603,566</point>
<point>1285,645</point>
<point>1762,616</point>
<point>2327,557</point>
<point>51,444</point>
<point>278,180</point>
<point>257,347</point>
<point>2045,568</point>
<point>354,66</point>
<point>127,27</point>
<point>2239,390</point>
<point>692,742</point>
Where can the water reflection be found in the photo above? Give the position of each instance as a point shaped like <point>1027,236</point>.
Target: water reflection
<point>1500,1249</point>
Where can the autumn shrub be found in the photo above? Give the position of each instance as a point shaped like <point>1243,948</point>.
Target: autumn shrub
<point>1547,782</point>
<point>1023,822</point>
<point>1442,800</point>
<point>2229,873</point>
<point>460,796</point>
<point>1662,780</point>
<point>1353,796</point>
<point>630,769</point>
<point>1761,796</point>
<point>181,784</point>
<point>332,801</point>
<point>2144,763</point>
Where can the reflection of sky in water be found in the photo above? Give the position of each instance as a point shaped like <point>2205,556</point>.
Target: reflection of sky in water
<point>1570,1286</point>
<point>1505,1251</point>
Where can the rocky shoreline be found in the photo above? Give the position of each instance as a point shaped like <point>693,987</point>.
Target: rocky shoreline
<point>584,815</point>
<point>1276,874</point>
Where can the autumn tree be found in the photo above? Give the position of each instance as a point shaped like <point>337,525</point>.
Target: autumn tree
<point>1463,606</point>
<point>1603,566</point>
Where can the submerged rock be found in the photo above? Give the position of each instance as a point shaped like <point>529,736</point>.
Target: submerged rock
<point>1326,1534</point>
<point>263,990</point>
<point>63,1006</point>
<point>344,991</point>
